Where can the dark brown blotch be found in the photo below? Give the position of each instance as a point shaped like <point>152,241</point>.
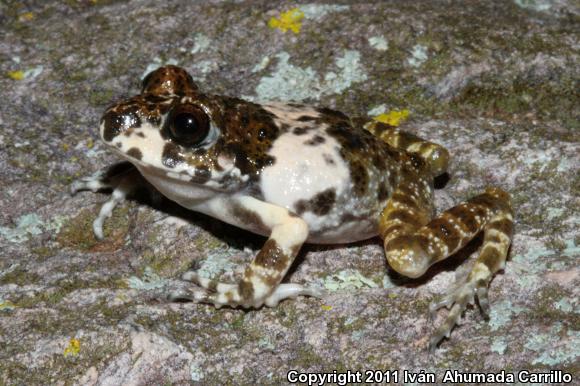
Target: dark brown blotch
<point>120,118</point>
<point>348,138</point>
<point>301,130</point>
<point>383,192</point>
<point>171,156</point>
<point>135,153</point>
<point>328,159</point>
<point>323,202</point>
<point>201,175</point>
<point>504,225</point>
<point>359,176</point>
<point>445,232</point>
<point>249,217</point>
<point>271,256</point>
<point>332,113</point>
<point>113,123</point>
<point>246,289</point>
<point>315,141</point>
<point>320,204</point>
<point>248,131</point>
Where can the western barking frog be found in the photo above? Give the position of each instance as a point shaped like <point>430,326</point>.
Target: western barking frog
<point>297,174</point>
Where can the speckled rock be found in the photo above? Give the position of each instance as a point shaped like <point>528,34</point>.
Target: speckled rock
<point>495,82</point>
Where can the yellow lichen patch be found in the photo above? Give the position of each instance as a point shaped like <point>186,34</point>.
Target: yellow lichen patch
<point>326,307</point>
<point>16,75</point>
<point>289,20</point>
<point>90,143</point>
<point>393,117</point>
<point>65,146</point>
<point>27,16</point>
<point>73,348</point>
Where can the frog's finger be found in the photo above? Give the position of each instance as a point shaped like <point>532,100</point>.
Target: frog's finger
<point>125,184</point>
<point>119,195</point>
<point>94,183</point>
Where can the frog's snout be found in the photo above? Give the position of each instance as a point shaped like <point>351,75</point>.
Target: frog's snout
<point>115,122</point>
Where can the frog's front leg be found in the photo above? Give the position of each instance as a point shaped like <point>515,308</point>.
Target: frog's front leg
<point>123,178</point>
<point>260,283</point>
<point>412,246</point>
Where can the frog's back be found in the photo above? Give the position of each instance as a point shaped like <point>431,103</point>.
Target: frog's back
<point>335,176</point>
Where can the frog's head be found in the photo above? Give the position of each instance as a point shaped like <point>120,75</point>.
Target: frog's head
<point>171,130</point>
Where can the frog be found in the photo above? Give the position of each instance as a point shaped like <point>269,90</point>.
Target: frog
<point>296,174</point>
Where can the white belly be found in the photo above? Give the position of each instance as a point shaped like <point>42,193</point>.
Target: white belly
<point>301,172</point>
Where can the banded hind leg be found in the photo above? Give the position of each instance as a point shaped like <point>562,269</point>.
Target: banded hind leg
<point>260,283</point>
<point>412,246</point>
<point>435,156</point>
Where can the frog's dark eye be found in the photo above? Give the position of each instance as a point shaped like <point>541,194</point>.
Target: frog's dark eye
<point>188,125</point>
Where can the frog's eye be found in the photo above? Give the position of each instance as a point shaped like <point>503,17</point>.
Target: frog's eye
<point>188,125</point>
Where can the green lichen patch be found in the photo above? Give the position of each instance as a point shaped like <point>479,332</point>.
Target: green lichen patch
<point>77,232</point>
<point>20,276</point>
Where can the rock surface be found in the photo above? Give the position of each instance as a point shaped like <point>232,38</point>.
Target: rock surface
<point>495,82</point>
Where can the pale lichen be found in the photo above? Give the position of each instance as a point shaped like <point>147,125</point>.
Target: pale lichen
<point>289,82</point>
<point>347,279</point>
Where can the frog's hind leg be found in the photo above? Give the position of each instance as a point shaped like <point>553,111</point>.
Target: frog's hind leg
<point>123,178</point>
<point>435,156</point>
<point>498,232</point>
<point>412,248</point>
<point>260,284</point>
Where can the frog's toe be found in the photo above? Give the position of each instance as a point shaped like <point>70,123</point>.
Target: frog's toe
<point>292,291</point>
<point>458,301</point>
<point>209,284</point>
<point>483,300</point>
<point>194,296</point>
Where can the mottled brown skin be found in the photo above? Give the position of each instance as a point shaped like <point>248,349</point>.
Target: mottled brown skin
<point>169,80</point>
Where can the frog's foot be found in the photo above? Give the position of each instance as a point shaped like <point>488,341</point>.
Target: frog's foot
<point>457,302</point>
<point>411,248</point>
<point>233,295</point>
<point>122,178</point>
